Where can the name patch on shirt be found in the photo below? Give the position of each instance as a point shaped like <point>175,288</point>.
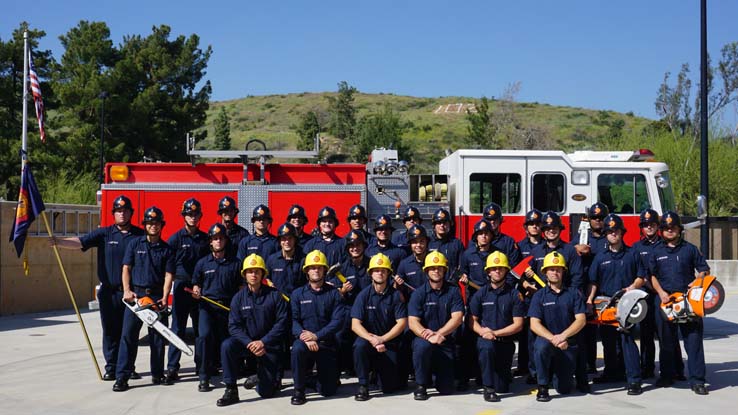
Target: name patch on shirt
<point>489,303</point>
<point>306,301</point>
<point>431,303</point>
<point>140,252</point>
<point>549,303</point>
<point>246,307</point>
<point>112,242</point>
<point>210,271</point>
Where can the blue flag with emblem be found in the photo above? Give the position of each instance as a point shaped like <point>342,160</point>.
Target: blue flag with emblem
<point>29,207</point>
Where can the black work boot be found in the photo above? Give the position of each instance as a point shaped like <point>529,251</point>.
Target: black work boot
<point>542,395</point>
<point>362,394</point>
<point>121,385</point>
<point>298,398</point>
<point>490,395</point>
<point>204,386</point>
<point>170,377</point>
<point>635,389</point>
<point>420,393</point>
<point>230,396</point>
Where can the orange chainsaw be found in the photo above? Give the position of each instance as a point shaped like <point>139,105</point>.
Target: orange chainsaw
<point>704,296</point>
<point>623,310</point>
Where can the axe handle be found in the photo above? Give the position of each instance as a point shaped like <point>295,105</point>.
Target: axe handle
<point>215,303</point>
<point>271,284</point>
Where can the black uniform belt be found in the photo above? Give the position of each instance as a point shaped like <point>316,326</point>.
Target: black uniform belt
<point>148,290</point>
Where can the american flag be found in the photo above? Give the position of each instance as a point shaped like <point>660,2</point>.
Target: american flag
<point>37,98</point>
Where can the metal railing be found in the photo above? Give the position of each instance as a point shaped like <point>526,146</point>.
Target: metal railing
<point>67,220</point>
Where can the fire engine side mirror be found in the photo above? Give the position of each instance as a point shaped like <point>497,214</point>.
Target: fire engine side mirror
<point>701,207</point>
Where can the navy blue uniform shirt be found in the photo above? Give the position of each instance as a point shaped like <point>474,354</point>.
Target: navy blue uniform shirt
<point>473,262</point>
<point>379,312</point>
<point>613,271</point>
<point>399,239</point>
<point>526,247</point>
<point>434,307</point>
<point>573,277</point>
<point>450,247</point>
<point>149,262</point>
<point>597,244</point>
<point>259,316</point>
<point>411,270</point>
<point>556,310</point>
<point>394,253</point>
<point>321,312</point>
<point>334,249</point>
<point>495,308</point>
<point>286,274</point>
<point>111,246</point>
<point>235,233</point>
<point>188,250</point>
<point>675,267</point>
<point>218,279</point>
<point>262,245</point>
<point>356,275</point>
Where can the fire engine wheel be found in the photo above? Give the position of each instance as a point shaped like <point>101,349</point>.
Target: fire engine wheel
<point>714,297</point>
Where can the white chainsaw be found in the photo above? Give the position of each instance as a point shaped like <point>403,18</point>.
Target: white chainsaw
<point>144,308</point>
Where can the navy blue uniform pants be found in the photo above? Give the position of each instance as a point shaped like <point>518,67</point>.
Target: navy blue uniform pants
<point>232,353</point>
<point>692,334</point>
<point>495,358</point>
<point>621,354</point>
<point>326,362</point>
<point>112,311</point>
<point>550,359</point>
<point>385,364</point>
<point>129,345</point>
<point>213,330</point>
<point>183,307</point>
<point>523,354</point>
<point>434,359</point>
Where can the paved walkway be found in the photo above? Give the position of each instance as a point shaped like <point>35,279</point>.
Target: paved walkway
<point>46,369</point>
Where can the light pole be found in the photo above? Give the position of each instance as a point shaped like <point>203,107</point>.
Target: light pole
<point>103,95</point>
<point>704,170</point>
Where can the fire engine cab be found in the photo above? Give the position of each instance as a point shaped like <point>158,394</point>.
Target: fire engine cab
<point>465,182</point>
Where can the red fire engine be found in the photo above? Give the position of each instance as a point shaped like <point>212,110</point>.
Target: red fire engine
<point>466,181</point>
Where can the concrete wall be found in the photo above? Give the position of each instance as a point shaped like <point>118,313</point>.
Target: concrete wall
<point>44,289</point>
<point>723,237</point>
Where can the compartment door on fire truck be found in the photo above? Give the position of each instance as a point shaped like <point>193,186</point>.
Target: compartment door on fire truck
<point>501,181</point>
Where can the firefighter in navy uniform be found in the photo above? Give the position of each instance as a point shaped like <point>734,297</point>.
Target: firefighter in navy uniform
<point>228,210</point>
<point>573,276</point>
<point>501,241</point>
<point>378,318</point>
<point>435,311</point>
<point>617,268</point>
<point>261,242</point>
<point>497,311</point>
<point>317,314</point>
<point>216,277</point>
<point>284,265</point>
<point>410,217</point>
<point>410,271</point>
<point>326,241</point>
<point>533,237</point>
<point>357,221</point>
<point>443,240</point>
<point>382,241</point>
<point>111,243</point>
<point>557,315</point>
<point>673,264</point>
<point>297,218</point>
<point>190,244</point>
<point>148,271</point>
<point>257,323</point>
<point>649,226</point>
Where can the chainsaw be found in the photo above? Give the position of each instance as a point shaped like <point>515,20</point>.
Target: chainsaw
<point>704,296</point>
<point>623,310</point>
<point>146,309</point>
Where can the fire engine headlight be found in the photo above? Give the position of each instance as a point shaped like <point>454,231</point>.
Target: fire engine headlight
<point>403,166</point>
<point>391,167</point>
<point>119,173</point>
<point>580,177</point>
<point>379,167</point>
<point>662,182</point>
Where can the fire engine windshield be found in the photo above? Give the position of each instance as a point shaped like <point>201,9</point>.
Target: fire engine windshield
<point>666,193</point>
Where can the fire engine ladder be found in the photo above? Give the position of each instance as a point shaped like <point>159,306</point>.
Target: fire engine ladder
<point>246,154</point>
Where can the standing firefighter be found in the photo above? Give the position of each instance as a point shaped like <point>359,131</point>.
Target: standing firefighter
<point>190,244</point>
<point>227,209</point>
<point>257,322</point>
<point>216,277</point>
<point>435,311</point>
<point>111,243</point>
<point>148,268</point>
<point>378,317</point>
<point>261,242</point>
<point>317,314</point>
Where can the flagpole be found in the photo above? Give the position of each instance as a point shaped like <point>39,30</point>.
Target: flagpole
<point>24,142</point>
<point>71,297</point>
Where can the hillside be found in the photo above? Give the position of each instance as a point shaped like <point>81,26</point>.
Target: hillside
<point>435,123</point>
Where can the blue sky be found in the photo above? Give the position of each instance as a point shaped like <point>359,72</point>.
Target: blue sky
<point>585,53</point>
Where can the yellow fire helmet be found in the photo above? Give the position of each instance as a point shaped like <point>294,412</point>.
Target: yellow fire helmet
<point>315,258</point>
<point>435,259</point>
<point>553,259</point>
<point>496,259</point>
<point>254,261</point>
<point>380,261</point>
